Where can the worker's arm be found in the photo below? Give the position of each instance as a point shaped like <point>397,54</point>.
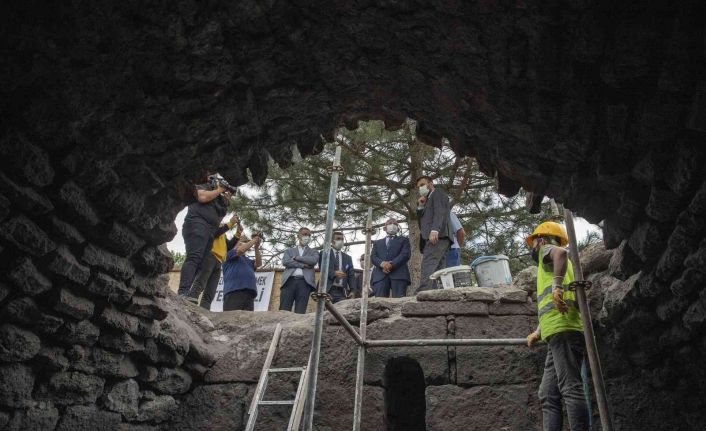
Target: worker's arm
<point>559,257</point>
<point>258,255</point>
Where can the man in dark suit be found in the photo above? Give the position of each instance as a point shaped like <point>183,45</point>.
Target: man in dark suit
<point>435,230</point>
<point>341,276</point>
<point>389,259</point>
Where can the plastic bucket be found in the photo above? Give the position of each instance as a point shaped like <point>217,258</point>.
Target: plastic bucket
<point>492,270</point>
<point>455,276</point>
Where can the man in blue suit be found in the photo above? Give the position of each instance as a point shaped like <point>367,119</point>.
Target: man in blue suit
<point>341,276</point>
<point>389,259</point>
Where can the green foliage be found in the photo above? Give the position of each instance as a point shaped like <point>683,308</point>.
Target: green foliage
<point>380,168</point>
<point>178,259</point>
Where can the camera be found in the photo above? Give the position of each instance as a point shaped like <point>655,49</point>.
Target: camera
<point>217,179</point>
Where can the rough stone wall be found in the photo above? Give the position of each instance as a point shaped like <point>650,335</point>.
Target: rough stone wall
<point>107,111</point>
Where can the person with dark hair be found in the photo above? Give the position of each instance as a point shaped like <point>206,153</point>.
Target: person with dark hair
<point>239,281</point>
<point>435,230</point>
<point>389,260</point>
<point>202,220</point>
<point>298,278</point>
<point>341,277</point>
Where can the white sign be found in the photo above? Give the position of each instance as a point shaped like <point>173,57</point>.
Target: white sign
<point>264,281</point>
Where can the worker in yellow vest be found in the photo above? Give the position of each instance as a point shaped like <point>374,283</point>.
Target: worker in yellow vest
<point>561,328</point>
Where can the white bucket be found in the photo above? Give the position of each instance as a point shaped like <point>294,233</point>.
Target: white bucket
<point>455,276</point>
<point>492,270</point>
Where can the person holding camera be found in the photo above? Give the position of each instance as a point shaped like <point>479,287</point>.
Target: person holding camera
<point>206,282</point>
<point>202,220</point>
<point>239,281</point>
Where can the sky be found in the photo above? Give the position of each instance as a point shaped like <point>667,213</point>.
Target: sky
<point>177,244</point>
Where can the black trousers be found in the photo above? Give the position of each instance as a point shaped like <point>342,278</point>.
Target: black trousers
<point>206,281</point>
<point>337,294</point>
<point>295,292</point>
<point>198,239</point>
<point>239,300</point>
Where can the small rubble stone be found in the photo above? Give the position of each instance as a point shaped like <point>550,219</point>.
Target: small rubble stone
<point>27,236</point>
<point>52,359</point>
<point>65,264</point>
<point>4,207</point>
<point>123,397</point>
<point>147,307</point>
<point>107,287</point>
<point>25,311</point>
<point>151,286</point>
<point>442,308</point>
<point>594,258</point>
<point>154,260</point>
<point>82,332</point>
<point>695,316</point>
<point>4,291</point>
<point>73,387</point>
<point>120,341</point>
<point>157,410</point>
<point>27,277</point>
<point>89,418</point>
<point>17,344</point>
<point>171,381</point>
<point>158,353</point>
<point>123,241</point>
<point>16,384</point>
<point>4,419</point>
<point>25,197</point>
<point>66,232</point>
<point>527,280</point>
<point>103,362</point>
<point>624,262</point>
<point>40,417</point>
<point>74,199</point>
<point>114,265</point>
<point>73,305</point>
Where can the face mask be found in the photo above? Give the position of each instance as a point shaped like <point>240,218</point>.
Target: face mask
<point>423,191</point>
<point>304,240</point>
<point>392,229</point>
<point>338,244</point>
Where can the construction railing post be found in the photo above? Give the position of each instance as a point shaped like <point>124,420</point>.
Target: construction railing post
<point>320,296</point>
<point>591,349</point>
<point>364,286</point>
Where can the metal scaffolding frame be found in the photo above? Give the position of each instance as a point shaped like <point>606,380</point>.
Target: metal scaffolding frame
<point>360,337</point>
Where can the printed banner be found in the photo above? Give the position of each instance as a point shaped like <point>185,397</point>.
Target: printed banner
<point>265,280</point>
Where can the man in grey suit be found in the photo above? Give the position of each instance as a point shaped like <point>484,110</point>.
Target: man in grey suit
<point>435,231</point>
<point>298,277</point>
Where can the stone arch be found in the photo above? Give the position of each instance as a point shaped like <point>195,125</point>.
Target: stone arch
<point>107,113</point>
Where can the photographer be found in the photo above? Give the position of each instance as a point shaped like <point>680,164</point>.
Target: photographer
<point>239,281</point>
<point>202,220</point>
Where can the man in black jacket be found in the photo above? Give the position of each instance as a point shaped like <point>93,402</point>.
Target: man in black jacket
<point>435,231</point>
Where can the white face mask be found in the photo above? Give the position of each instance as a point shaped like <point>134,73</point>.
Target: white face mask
<point>338,244</point>
<point>392,229</point>
<point>423,190</point>
<point>304,239</point>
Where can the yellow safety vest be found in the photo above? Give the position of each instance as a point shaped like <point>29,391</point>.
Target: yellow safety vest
<point>551,321</point>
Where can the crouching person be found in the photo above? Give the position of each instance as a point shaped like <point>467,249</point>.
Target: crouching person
<point>561,327</point>
<point>239,281</point>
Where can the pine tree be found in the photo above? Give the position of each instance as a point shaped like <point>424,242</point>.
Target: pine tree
<point>381,167</point>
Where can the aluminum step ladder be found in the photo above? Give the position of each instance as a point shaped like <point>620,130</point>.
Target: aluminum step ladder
<point>299,399</point>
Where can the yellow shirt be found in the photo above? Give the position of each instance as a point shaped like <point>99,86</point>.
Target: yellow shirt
<point>219,246</point>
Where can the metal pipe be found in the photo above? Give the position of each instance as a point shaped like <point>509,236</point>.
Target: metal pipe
<point>593,359</point>
<point>364,286</point>
<point>449,342</point>
<point>342,320</point>
<point>319,319</point>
